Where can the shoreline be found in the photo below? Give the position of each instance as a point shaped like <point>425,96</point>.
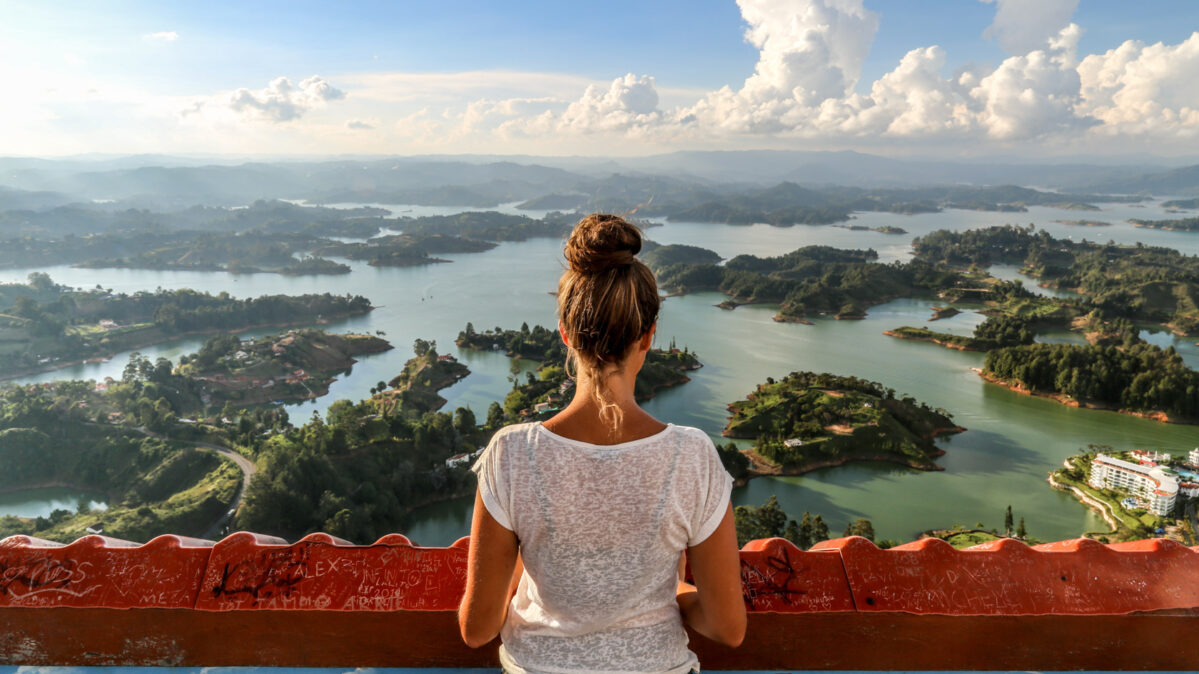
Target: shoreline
<point>53,484</point>
<point>8,376</point>
<point>1089,503</point>
<point>757,460</point>
<point>932,340</point>
<point>1071,402</point>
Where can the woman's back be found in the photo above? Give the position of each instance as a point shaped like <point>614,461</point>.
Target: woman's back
<point>601,528</point>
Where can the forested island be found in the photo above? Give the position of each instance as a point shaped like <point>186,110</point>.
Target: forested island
<point>1181,203</point>
<point>296,365</point>
<point>1176,225</point>
<point>883,229</point>
<point>808,420</point>
<point>551,388</point>
<point>44,326</point>
<point>1141,283</point>
<point>415,388</point>
<point>275,236</point>
<point>1140,379</point>
<point>809,280</point>
<point>993,333</point>
<point>787,204</point>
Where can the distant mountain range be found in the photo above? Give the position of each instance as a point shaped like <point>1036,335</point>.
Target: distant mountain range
<point>161,182</point>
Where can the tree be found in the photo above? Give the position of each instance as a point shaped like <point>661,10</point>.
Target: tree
<point>1021,532</point>
<point>804,540</point>
<point>1007,522</point>
<point>422,347</point>
<point>860,527</point>
<point>819,530</point>
<point>765,521</point>
<point>495,416</point>
<point>40,281</point>
<point>464,421</point>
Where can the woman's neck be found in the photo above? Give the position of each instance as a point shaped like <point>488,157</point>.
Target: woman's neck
<point>581,419</point>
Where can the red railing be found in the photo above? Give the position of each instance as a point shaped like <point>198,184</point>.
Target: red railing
<point>256,600</point>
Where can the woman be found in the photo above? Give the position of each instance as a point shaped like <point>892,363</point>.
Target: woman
<point>580,522</point>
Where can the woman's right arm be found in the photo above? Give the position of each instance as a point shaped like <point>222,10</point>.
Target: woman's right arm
<point>714,606</point>
<point>491,562</point>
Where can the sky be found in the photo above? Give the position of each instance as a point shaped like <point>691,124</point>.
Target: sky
<point>899,77</point>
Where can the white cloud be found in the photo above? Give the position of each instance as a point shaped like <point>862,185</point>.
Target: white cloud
<point>1034,94</point>
<point>809,51</point>
<point>281,101</point>
<point>1140,89</point>
<point>162,36</point>
<point>359,125</point>
<point>1021,26</point>
<point>629,103</point>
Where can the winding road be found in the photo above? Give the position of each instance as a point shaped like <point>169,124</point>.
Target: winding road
<point>245,465</point>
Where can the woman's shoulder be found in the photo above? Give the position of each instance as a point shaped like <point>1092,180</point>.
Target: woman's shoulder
<point>691,433</point>
<point>515,434</point>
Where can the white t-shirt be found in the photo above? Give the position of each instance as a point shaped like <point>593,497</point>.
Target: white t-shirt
<point>601,529</point>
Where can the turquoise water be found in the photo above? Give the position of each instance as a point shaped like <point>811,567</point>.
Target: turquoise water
<point>1012,443</point>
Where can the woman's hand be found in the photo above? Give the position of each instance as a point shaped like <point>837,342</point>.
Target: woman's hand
<point>491,568</point>
<point>714,606</point>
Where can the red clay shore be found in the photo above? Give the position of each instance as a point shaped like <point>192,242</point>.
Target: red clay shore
<point>1071,402</point>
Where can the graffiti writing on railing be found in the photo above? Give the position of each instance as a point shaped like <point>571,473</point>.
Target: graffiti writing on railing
<point>761,584</point>
<point>270,574</point>
<point>40,575</point>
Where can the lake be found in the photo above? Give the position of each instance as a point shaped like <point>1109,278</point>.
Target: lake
<point>41,501</point>
<point>1013,441</point>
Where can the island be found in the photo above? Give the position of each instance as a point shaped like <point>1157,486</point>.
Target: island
<point>1176,225</point>
<point>883,229</point>
<point>1139,379</point>
<point>550,388</point>
<point>415,388</point>
<point>1084,223</point>
<point>1181,203</point>
<point>1138,282</point>
<point>44,326</point>
<point>993,333</point>
<point>944,312</point>
<point>810,280</point>
<point>297,365</point>
<point>808,421</point>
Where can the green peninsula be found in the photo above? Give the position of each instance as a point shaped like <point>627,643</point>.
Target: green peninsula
<point>53,436</point>
<point>813,420</point>
<point>44,326</point>
<point>1139,379</point>
<point>297,365</point>
<point>993,333</point>
<point>415,387</point>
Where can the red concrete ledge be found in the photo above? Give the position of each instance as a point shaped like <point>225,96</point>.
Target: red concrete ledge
<point>257,600</point>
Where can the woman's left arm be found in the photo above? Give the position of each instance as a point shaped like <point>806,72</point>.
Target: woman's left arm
<point>490,569</point>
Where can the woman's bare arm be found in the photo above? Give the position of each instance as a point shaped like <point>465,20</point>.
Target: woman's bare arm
<point>714,606</point>
<point>491,566</point>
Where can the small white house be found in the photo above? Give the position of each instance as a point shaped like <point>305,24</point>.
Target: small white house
<point>457,460</point>
<point>793,442</point>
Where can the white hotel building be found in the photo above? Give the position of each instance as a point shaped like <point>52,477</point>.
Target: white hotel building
<point>1156,486</point>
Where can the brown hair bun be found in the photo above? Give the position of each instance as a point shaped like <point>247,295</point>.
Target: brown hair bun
<point>601,242</point>
<point>607,300</point>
